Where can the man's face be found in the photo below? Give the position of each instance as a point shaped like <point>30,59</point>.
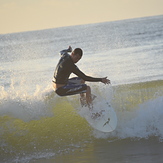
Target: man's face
<point>75,57</point>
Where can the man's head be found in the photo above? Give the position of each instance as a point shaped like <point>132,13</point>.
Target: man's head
<point>76,55</point>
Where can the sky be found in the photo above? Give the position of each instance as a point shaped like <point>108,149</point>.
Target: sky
<point>28,15</point>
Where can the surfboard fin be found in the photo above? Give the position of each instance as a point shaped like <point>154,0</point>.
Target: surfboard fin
<point>107,122</point>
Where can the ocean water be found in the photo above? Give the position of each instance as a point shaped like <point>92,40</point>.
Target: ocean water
<point>38,126</point>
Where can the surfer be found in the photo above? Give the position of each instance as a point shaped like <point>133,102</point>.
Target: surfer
<point>64,86</point>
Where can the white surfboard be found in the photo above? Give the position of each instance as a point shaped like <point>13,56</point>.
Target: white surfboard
<point>102,117</point>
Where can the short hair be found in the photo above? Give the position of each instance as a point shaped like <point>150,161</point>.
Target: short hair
<point>78,51</point>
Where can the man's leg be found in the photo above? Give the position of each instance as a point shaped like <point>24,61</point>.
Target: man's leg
<point>79,81</point>
<point>87,96</point>
<point>77,86</point>
<point>82,95</point>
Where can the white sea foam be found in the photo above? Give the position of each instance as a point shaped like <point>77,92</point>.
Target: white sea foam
<point>142,122</point>
<point>19,104</point>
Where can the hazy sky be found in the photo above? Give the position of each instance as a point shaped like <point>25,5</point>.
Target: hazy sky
<point>26,15</point>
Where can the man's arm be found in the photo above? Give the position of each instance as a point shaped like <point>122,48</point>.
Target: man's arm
<point>89,78</point>
<point>85,77</point>
<point>66,51</point>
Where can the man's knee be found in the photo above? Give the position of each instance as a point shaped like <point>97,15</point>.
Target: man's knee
<point>82,81</point>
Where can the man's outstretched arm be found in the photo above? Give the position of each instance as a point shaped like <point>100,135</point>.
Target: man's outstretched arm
<point>89,78</point>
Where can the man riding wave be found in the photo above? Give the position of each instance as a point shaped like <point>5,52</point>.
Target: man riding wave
<point>64,86</point>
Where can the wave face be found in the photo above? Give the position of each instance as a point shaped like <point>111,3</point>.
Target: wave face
<point>44,125</point>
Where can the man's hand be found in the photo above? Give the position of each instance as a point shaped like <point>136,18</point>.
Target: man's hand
<point>69,49</point>
<point>105,80</point>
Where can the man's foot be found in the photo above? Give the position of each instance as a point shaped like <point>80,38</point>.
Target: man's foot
<point>83,102</point>
<point>90,101</point>
<point>93,97</point>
